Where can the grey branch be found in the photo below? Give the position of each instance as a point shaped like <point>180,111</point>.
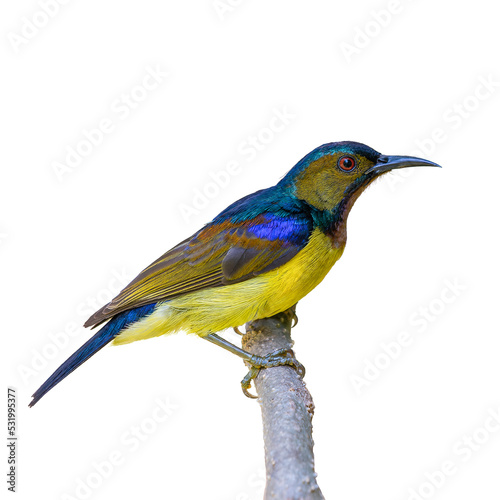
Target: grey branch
<point>287,411</point>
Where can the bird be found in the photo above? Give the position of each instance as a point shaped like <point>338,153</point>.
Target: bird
<point>255,259</point>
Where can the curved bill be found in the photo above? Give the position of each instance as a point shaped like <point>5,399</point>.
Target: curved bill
<point>386,163</point>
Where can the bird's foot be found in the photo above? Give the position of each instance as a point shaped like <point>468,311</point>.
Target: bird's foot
<point>292,315</point>
<point>281,357</point>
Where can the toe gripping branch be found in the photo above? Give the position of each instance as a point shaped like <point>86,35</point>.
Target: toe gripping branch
<point>281,357</point>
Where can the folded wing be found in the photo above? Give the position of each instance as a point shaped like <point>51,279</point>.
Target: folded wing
<point>220,254</point>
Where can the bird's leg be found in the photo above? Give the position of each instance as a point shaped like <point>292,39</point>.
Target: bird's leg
<point>281,357</point>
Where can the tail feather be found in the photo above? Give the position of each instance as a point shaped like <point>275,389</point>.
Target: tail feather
<point>105,335</point>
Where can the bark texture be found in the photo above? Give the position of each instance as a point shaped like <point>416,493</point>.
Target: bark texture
<point>287,411</point>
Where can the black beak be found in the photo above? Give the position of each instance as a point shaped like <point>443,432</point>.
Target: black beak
<point>386,163</point>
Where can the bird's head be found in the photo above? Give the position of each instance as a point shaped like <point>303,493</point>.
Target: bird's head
<point>331,177</point>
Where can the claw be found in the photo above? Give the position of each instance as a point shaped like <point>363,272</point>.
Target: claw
<point>249,394</point>
<point>281,357</point>
<point>295,320</point>
<point>236,330</point>
<point>247,382</point>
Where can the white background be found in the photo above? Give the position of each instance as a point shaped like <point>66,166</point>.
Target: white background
<point>65,237</point>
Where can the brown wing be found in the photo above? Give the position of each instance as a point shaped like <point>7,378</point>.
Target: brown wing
<point>218,255</point>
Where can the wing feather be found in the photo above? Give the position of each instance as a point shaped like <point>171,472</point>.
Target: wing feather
<point>219,255</point>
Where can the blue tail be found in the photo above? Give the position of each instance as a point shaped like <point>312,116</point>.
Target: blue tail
<point>105,335</point>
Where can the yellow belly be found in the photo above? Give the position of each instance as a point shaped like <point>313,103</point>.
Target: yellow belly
<point>216,309</point>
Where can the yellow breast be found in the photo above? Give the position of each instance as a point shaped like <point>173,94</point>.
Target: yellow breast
<point>216,309</point>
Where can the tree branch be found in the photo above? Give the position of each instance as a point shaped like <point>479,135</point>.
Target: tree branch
<point>287,411</point>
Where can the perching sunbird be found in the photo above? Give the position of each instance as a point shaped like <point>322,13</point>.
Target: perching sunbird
<point>257,258</point>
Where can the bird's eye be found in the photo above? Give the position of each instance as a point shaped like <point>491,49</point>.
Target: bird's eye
<point>346,163</point>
